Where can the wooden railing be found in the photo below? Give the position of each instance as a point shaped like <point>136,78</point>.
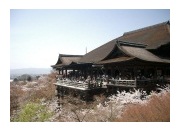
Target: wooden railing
<point>132,83</point>
<point>146,82</point>
<point>111,82</point>
<point>80,85</point>
<point>125,83</point>
<point>72,84</point>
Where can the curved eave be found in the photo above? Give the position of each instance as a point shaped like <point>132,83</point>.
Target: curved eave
<point>99,53</point>
<point>116,60</point>
<point>141,54</point>
<point>58,66</point>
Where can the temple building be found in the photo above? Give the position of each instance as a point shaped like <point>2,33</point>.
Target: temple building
<point>137,59</point>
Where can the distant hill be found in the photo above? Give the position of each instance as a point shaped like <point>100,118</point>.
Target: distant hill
<point>31,71</point>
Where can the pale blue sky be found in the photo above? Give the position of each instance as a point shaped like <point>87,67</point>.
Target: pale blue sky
<point>38,36</point>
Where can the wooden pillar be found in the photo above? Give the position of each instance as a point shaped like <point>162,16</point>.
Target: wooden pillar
<point>97,72</point>
<point>91,71</point>
<point>73,73</point>
<point>82,71</point>
<point>112,72</point>
<point>59,71</point>
<point>145,72</point>
<point>105,71</point>
<point>155,74</point>
<point>85,73</point>
<point>66,71</point>
<point>59,94</point>
<point>62,71</point>
<point>122,73</point>
<point>135,72</point>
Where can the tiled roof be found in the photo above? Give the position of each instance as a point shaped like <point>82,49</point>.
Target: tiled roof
<point>69,60</point>
<point>134,53</point>
<point>140,53</point>
<point>153,36</point>
<point>114,60</point>
<point>99,53</point>
<point>65,60</point>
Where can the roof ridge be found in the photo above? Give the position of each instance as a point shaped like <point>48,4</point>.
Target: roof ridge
<point>68,55</point>
<point>147,27</point>
<point>123,48</point>
<point>132,44</point>
<point>107,43</point>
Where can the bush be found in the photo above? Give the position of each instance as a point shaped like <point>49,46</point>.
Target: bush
<point>29,78</point>
<point>15,80</point>
<point>20,96</point>
<point>124,106</point>
<point>156,110</point>
<point>33,112</point>
<point>15,95</point>
<point>46,89</point>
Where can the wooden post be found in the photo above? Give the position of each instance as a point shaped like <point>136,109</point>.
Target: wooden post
<point>155,74</point>
<point>62,71</point>
<point>73,71</point>
<point>135,72</point>
<point>135,84</point>
<point>105,71</point>
<point>91,73</point>
<point>112,72</point>
<point>145,72</point>
<point>85,73</point>
<point>59,97</point>
<point>66,72</point>
<point>97,75</point>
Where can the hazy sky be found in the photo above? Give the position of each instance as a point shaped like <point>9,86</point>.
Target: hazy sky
<point>38,36</point>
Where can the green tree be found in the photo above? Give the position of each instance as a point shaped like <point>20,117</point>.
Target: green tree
<point>34,112</point>
<point>29,78</point>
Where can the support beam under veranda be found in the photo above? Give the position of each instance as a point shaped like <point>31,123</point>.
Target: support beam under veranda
<point>60,94</point>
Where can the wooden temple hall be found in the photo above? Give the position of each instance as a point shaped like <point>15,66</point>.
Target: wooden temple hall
<point>137,59</point>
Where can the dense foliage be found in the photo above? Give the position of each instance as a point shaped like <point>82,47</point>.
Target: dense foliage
<point>36,101</point>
